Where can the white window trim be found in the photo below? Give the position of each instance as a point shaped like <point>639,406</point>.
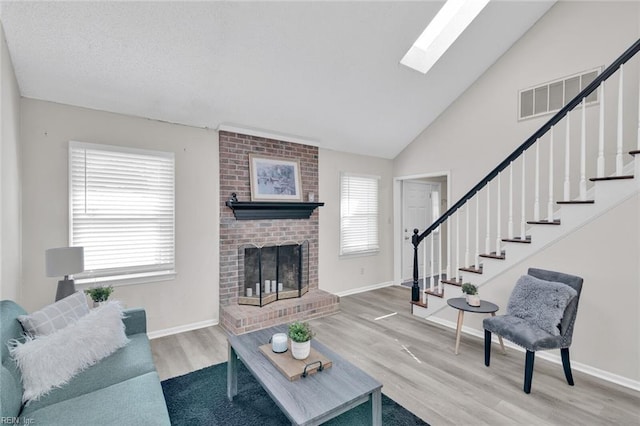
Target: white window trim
<point>88,279</point>
<point>360,253</point>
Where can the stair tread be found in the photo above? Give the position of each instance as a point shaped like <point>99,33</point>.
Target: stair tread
<point>527,240</point>
<point>423,305</point>
<point>452,282</point>
<point>599,179</point>
<point>576,202</point>
<point>435,293</point>
<point>472,269</point>
<point>493,255</point>
<point>544,222</point>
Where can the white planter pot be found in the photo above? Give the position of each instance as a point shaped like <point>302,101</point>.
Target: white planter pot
<point>473,300</point>
<point>300,350</point>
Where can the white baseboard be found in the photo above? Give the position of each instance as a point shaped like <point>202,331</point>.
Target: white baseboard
<point>546,355</point>
<point>363,289</point>
<point>182,328</point>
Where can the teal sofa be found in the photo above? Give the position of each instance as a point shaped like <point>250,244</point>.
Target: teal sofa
<point>123,388</point>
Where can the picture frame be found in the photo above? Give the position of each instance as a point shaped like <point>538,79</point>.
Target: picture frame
<point>274,179</point>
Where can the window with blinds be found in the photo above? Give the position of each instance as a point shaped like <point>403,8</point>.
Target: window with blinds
<point>121,208</point>
<point>358,214</point>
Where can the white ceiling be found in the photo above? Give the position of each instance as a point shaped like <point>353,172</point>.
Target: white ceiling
<point>328,72</point>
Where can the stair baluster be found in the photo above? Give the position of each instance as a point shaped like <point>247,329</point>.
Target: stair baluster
<point>439,234</point>
<point>476,257</point>
<point>551,200</point>
<point>567,159</point>
<point>510,223</point>
<point>432,284</point>
<point>600,163</point>
<point>536,201</point>
<point>619,164</point>
<point>523,208</point>
<point>498,218</point>
<point>583,153</point>
<point>457,245</point>
<point>487,241</point>
<point>467,246</point>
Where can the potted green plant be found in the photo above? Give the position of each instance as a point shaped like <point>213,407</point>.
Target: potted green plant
<point>99,294</point>
<point>472,294</point>
<point>300,334</point>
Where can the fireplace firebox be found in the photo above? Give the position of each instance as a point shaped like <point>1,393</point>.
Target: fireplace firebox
<point>272,272</point>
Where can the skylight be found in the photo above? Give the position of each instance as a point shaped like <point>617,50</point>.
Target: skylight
<point>452,19</point>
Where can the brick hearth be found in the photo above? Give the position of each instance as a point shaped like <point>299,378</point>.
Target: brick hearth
<point>234,177</point>
<point>240,319</point>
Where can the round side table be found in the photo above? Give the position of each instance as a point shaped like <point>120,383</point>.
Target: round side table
<point>460,303</point>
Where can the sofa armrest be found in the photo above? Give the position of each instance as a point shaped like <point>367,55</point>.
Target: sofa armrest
<point>135,321</point>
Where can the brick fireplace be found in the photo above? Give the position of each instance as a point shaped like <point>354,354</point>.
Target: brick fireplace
<point>234,234</point>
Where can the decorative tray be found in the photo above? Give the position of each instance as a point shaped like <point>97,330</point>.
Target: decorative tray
<point>292,368</point>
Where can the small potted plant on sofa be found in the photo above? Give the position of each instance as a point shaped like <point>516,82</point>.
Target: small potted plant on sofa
<point>300,334</point>
<point>99,294</point>
<point>472,294</point>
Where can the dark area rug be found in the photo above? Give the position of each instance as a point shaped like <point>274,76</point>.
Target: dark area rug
<point>200,398</point>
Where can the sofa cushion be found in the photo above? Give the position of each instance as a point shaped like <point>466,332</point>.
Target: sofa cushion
<point>10,380</point>
<point>137,401</point>
<point>521,332</point>
<point>56,316</point>
<point>11,394</point>
<point>52,360</point>
<point>133,360</point>
<point>10,327</point>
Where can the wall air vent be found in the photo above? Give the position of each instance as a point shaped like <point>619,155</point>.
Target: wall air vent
<point>552,96</point>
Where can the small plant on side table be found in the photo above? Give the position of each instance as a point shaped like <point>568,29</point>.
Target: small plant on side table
<point>472,294</point>
<point>99,294</point>
<point>300,334</point>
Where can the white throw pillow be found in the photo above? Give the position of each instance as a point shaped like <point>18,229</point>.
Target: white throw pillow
<point>55,316</point>
<point>52,360</point>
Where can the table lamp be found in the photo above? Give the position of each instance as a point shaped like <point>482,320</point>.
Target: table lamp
<point>64,261</point>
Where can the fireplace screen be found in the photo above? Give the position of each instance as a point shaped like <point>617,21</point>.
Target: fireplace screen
<point>271,273</point>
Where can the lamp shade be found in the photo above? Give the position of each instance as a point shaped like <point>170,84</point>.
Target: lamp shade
<point>63,261</point>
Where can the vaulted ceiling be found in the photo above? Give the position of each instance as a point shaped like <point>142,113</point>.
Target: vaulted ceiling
<point>327,72</point>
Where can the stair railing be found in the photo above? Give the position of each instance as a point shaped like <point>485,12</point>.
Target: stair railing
<point>495,174</point>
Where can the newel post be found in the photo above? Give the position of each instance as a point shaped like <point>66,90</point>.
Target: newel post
<point>415,289</point>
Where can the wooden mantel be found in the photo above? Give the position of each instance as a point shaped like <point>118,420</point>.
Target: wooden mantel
<point>256,210</point>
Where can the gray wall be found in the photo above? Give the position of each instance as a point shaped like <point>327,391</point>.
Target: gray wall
<point>47,128</point>
<point>347,274</point>
<point>10,179</point>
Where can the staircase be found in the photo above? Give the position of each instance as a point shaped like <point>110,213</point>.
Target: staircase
<point>580,164</point>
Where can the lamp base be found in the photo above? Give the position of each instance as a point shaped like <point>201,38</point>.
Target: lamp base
<point>65,288</point>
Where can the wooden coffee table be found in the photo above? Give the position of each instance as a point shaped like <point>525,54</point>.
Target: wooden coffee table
<point>311,400</point>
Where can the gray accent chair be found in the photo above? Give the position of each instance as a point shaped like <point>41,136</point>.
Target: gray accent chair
<point>532,338</point>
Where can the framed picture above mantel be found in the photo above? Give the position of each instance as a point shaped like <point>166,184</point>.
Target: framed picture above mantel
<point>274,179</point>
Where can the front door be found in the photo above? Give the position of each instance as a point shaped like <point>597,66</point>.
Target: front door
<point>416,213</point>
<point>420,207</point>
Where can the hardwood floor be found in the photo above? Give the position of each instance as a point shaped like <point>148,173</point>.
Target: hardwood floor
<point>415,362</point>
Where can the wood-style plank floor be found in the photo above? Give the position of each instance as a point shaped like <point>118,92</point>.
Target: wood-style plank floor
<point>415,362</point>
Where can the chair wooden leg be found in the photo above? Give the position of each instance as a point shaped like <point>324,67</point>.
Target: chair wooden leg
<point>528,371</point>
<point>487,347</point>
<point>566,364</point>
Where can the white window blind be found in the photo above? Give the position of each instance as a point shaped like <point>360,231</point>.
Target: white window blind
<point>121,211</point>
<point>358,213</point>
